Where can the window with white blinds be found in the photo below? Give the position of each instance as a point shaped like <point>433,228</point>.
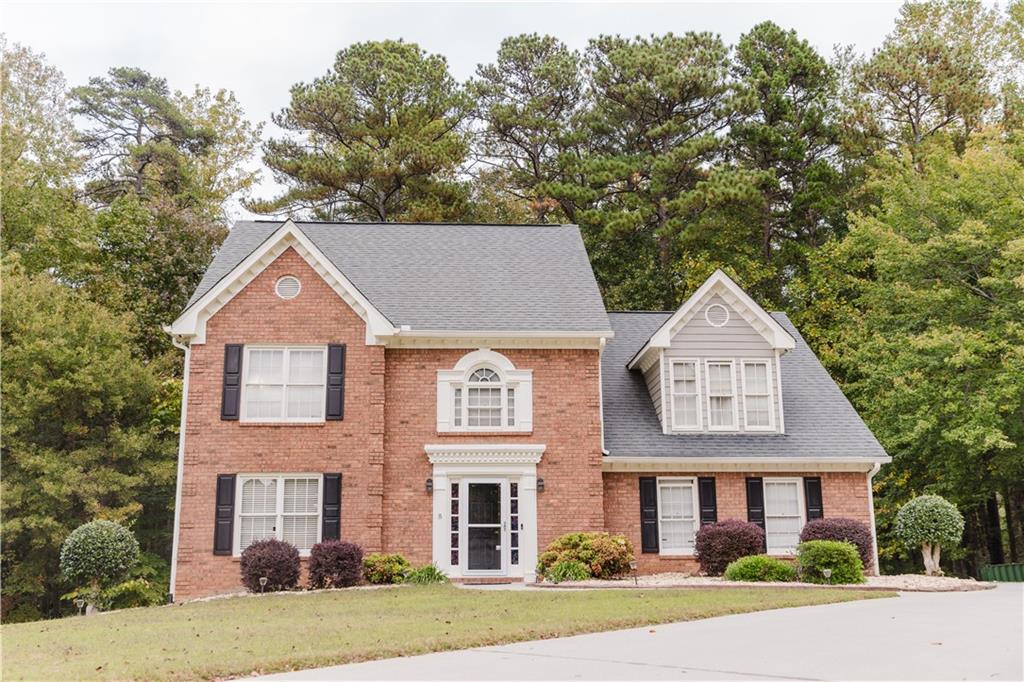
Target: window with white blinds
<point>286,507</point>
<point>284,384</point>
<point>757,395</point>
<point>677,515</point>
<point>721,395</point>
<point>685,395</point>
<point>783,514</point>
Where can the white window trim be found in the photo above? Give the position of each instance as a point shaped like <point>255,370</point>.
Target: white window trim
<point>236,541</point>
<point>735,396</point>
<point>672,395</point>
<point>677,480</point>
<point>801,509</point>
<point>770,394</point>
<point>284,419</point>
<point>458,377</point>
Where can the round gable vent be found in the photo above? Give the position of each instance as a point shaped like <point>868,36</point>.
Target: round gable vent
<point>716,315</point>
<point>288,287</point>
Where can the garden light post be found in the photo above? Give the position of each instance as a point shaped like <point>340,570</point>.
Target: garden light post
<point>827,572</point>
<point>632,567</point>
<point>80,603</point>
<point>263,583</point>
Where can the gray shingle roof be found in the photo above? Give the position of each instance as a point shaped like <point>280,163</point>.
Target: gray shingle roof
<point>820,422</point>
<point>450,277</point>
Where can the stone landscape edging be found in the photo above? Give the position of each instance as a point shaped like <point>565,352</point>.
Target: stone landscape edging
<point>625,584</point>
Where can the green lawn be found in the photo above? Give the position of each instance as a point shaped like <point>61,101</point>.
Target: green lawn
<point>241,636</point>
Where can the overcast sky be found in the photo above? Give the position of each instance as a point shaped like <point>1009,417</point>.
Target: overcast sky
<point>259,50</point>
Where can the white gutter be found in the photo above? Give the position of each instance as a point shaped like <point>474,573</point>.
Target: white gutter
<point>857,464</point>
<point>407,332</point>
<point>871,507</point>
<point>181,465</point>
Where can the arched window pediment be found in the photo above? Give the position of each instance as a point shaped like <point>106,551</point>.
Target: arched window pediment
<point>484,391</point>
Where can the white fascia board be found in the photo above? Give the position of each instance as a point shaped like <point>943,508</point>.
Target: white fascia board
<point>773,332</point>
<point>191,324</point>
<point>797,464</point>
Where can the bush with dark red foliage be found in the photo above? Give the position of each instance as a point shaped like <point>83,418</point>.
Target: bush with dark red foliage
<point>275,560</point>
<point>847,530</point>
<point>335,563</point>
<point>719,544</point>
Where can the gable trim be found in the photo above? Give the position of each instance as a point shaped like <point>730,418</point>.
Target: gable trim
<point>721,284</point>
<point>191,324</point>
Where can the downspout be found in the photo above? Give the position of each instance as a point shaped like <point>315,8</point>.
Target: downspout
<point>181,466</point>
<point>600,393</point>
<point>871,506</point>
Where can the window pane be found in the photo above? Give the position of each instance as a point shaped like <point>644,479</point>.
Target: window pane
<point>757,411</point>
<point>757,378</point>
<point>259,496</point>
<point>484,406</point>
<point>263,402</point>
<point>721,411</point>
<point>485,375</point>
<point>254,528</point>
<point>676,535</point>
<point>676,501</point>
<point>305,402</point>
<point>719,379</point>
<point>457,408</point>
<point>301,495</point>
<point>781,498</point>
<point>510,409</point>
<point>685,407</point>
<point>783,521</point>
<point>300,530</point>
<point>306,367</point>
<point>266,367</point>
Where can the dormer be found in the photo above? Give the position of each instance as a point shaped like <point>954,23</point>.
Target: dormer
<point>713,366</point>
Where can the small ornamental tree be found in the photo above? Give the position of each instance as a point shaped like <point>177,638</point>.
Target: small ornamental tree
<point>97,555</point>
<point>929,522</point>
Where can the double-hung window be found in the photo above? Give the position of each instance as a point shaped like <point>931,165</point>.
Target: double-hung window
<point>677,515</point>
<point>757,395</point>
<point>685,395</point>
<point>721,395</point>
<point>783,514</point>
<point>484,401</point>
<point>286,507</point>
<point>284,384</point>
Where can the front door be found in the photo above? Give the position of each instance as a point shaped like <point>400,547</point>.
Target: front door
<point>484,526</point>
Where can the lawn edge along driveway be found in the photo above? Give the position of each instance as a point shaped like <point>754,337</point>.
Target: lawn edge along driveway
<point>274,633</point>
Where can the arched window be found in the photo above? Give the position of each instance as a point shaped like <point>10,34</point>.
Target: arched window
<point>484,392</point>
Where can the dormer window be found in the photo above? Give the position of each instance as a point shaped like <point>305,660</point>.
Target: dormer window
<point>721,396</point>
<point>484,392</point>
<point>685,382</point>
<point>757,396</point>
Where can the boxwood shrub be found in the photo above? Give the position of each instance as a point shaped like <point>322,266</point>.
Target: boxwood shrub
<point>335,563</point>
<point>385,569</point>
<point>98,554</point>
<point>760,568</point>
<point>848,530</point>
<point>603,555</point>
<point>719,544</point>
<point>273,559</point>
<point>815,556</point>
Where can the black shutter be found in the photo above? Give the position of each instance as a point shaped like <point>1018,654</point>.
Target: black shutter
<point>230,396</point>
<point>755,501</point>
<point>812,497</point>
<point>224,517</point>
<point>336,382</point>
<point>708,501</point>
<point>649,514</point>
<point>332,507</point>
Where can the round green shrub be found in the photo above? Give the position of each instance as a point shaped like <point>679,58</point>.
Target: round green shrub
<point>98,554</point>
<point>426,575</point>
<point>603,555</point>
<point>814,557</point>
<point>567,570</point>
<point>929,519</point>
<point>760,568</point>
<point>385,569</point>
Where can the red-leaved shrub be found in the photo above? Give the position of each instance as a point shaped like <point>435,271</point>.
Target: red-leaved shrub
<point>719,544</point>
<point>274,560</point>
<point>335,563</point>
<point>848,530</point>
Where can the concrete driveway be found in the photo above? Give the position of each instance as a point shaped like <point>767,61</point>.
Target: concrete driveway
<point>922,636</point>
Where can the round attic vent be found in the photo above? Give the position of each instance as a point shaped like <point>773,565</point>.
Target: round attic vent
<point>288,287</point>
<point>716,315</point>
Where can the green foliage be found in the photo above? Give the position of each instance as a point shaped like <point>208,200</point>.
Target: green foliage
<point>603,555</point>
<point>814,557</point>
<point>385,569</point>
<point>146,585</point>
<point>929,519</point>
<point>426,575</point>
<point>380,137</point>
<point>99,554</point>
<point>567,570</point>
<point>760,568</point>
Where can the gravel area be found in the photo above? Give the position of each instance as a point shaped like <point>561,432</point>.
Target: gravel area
<point>900,583</point>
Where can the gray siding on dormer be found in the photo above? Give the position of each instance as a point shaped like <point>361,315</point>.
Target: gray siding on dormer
<point>652,377</point>
<point>736,340</point>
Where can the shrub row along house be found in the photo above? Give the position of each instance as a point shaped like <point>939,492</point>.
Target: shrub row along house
<point>459,394</point>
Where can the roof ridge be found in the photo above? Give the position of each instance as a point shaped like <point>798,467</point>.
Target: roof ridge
<point>383,222</point>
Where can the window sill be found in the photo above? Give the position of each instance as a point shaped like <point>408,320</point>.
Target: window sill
<point>676,554</point>
<point>287,424</point>
<point>475,434</point>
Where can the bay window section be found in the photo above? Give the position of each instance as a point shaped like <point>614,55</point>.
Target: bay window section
<point>677,515</point>
<point>757,396</point>
<point>286,507</point>
<point>721,396</point>
<point>783,514</point>
<point>284,384</point>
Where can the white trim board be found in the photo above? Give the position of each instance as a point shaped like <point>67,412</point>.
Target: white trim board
<point>712,464</point>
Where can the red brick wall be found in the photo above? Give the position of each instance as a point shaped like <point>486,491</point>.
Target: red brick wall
<point>565,419</point>
<point>354,446</point>
<point>843,494</point>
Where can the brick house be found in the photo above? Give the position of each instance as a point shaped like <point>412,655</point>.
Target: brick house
<point>459,394</point>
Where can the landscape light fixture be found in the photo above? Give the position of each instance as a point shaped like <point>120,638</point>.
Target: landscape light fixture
<point>263,583</point>
<point>80,603</point>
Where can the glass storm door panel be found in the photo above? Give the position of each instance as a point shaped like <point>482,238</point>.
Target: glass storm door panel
<point>483,526</point>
